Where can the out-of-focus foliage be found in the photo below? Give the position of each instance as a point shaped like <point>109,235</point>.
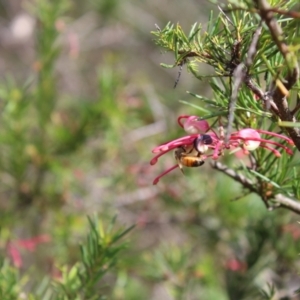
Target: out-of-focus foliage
<point>81,281</point>
<point>83,102</point>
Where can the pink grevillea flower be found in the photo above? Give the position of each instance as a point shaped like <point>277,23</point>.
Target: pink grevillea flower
<point>200,143</point>
<point>13,247</point>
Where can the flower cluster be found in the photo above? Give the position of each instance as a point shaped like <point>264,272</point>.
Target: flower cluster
<point>201,143</point>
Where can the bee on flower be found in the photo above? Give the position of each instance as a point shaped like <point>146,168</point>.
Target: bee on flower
<point>202,142</point>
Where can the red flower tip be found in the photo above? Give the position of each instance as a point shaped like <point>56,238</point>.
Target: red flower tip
<point>153,161</point>
<point>277,153</point>
<point>155,181</point>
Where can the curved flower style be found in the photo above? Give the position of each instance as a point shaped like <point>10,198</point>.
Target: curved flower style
<point>200,144</point>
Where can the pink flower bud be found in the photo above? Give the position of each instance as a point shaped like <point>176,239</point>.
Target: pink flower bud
<point>193,124</point>
<point>248,134</point>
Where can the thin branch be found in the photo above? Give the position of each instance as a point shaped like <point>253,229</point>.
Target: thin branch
<point>179,73</point>
<point>297,107</point>
<point>253,47</point>
<point>279,95</point>
<point>289,13</point>
<point>239,76</point>
<point>287,203</point>
<point>276,32</point>
<point>247,183</point>
<point>265,97</point>
<point>225,16</point>
<point>279,199</point>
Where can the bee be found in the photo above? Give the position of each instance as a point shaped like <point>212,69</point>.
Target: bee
<point>191,155</point>
<point>184,157</point>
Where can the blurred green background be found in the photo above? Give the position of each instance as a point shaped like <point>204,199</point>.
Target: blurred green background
<point>83,102</point>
